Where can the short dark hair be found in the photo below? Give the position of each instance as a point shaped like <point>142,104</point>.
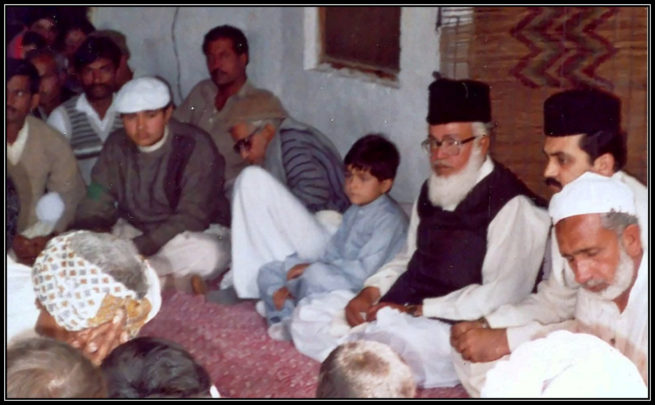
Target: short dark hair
<point>375,153</point>
<point>148,367</point>
<point>21,67</point>
<point>81,24</point>
<point>94,48</point>
<point>47,368</point>
<point>606,141</point>
<point>239,40</point>
<point>33,38</point>
<point>36,13</point>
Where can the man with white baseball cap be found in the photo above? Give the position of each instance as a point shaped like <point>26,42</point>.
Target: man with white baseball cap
<point>598,234</point>
<point>160,183</point>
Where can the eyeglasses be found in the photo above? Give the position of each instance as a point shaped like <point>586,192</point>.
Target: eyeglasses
<point>448,145</point>
<point>245,143</point>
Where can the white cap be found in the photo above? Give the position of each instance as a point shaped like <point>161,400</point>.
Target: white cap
<point>141,94</point>
<point>591,193</point>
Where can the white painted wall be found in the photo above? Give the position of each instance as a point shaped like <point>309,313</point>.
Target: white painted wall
<point>344,108</point>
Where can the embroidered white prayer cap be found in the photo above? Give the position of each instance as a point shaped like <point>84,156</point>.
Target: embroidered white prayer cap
<point>80,279</point>
<point>591,193</point>
<point>142,94</point>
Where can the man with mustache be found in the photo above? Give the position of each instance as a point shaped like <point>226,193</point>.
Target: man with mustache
<point>583,134</point>
<point>39,162</point>
<point>87,120</point>
<point>209,102</point>
<point>52,91</point>
<point>476,240</point>
<point>599,236</point>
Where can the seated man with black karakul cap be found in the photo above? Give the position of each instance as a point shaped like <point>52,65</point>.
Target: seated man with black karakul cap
<point>583,135</point>
<point>476,240</point>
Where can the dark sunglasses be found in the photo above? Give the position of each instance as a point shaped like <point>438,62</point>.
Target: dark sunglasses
<point>245,143</point>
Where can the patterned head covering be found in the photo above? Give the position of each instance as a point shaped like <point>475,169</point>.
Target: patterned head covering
<point>82,278</point>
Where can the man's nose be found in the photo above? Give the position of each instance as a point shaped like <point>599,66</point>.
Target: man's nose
<point>550,170</point>
<point>583,271</point>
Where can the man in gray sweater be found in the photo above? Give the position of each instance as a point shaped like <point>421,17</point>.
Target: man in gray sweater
<point>160,183</point>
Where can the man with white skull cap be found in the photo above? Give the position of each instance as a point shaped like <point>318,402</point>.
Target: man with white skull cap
<point>583,133</point>
<point>598,234</point>
<point>160,183</point>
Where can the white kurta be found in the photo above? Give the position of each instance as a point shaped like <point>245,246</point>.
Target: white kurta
<point>22,312</point>
<point>554,302</point>
<point>516,240</point>
<point>626,331</point>
<point>268,224</point>
<point>556,297</point>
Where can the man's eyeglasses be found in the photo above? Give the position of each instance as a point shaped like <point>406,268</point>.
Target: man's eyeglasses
<point>245,143</point>
<point>449,146</point>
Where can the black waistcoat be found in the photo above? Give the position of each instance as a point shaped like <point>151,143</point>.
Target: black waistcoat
<point>451,245</point>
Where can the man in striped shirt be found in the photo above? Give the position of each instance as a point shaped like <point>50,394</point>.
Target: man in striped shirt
<point>88,119</point>
<point>300,174</point>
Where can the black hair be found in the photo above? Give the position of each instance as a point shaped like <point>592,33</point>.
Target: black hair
<point>375,153</point>
<point>94,48</point>
<point>13,209</point>
<point>81,24</point>
<point>21,67</point>
<point>33,38</point>
<point>148,367</point>
<point>34,14</point>
<point>239,40</point>
<point>606,141</point>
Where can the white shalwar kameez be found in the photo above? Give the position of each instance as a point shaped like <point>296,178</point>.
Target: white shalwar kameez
<point>509,270</point>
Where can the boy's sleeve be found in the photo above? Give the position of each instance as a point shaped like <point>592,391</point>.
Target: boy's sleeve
<point>386,238</point>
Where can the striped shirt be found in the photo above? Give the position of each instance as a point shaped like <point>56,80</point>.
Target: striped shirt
<point>79,122</point>
<point>312,166</point>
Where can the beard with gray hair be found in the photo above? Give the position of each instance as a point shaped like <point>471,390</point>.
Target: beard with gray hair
<point>623,276</point>
<point>447,191</point>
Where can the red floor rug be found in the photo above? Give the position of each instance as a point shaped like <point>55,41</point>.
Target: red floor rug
<point>232,344</point>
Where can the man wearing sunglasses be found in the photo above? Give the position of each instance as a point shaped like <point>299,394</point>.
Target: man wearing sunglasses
<point>295,172</point>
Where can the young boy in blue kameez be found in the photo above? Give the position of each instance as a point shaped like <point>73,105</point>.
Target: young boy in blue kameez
<point>372,231</point>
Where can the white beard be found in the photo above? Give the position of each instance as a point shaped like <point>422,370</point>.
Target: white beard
<point>622,277</point>
<point>449,191</point>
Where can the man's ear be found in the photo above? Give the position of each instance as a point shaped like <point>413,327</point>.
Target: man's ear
<point>269,131</point>
<point>484,144</point>
<point>604,165</point>
<point>244,59</point>
<point>631,240</point>
<point>35,101</point>
<point>168,112</point>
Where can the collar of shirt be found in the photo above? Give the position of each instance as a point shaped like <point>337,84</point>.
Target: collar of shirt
<point>84,106</point>
<point>373,205</point>
<point>157,145</point>
<point>639,293</point>
<point>15,150</point>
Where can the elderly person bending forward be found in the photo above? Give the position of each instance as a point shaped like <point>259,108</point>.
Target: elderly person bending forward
<point>94,292</point>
